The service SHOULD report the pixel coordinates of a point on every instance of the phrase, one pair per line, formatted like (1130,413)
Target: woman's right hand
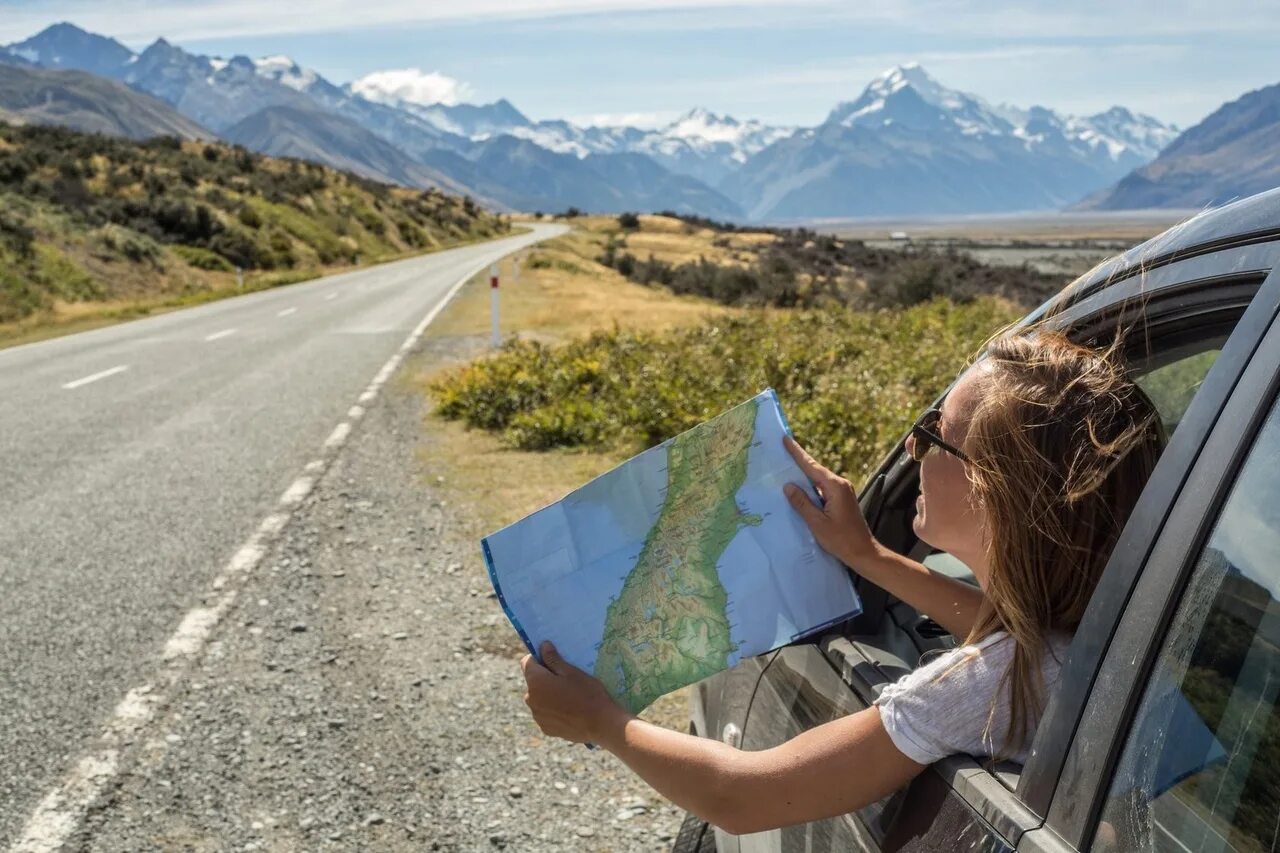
(838,525)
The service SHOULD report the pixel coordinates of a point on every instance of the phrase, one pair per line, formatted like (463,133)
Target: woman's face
(945,515)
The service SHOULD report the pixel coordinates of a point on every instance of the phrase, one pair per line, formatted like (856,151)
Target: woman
(1042,448)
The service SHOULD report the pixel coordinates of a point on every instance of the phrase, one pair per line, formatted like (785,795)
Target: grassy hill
(92,225)
(82,101)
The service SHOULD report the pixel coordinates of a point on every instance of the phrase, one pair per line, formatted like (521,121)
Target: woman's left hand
(565,701)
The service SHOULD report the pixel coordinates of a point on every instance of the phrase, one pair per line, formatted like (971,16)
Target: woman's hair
(1061,442)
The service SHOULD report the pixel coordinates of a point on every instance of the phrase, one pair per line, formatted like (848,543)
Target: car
(1163,732)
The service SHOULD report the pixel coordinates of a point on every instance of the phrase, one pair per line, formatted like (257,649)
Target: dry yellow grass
(562,291)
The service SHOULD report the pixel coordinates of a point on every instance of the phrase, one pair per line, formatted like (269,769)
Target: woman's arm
(951,603)
(841,530)
(827,771)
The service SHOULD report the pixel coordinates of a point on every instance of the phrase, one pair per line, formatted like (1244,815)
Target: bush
(117,240)
(850,381)
(203,258)
(628,221)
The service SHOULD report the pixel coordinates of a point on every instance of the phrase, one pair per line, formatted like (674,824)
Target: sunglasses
(925,432)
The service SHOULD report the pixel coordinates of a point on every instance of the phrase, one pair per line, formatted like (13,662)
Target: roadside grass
(562,292)
(65,317)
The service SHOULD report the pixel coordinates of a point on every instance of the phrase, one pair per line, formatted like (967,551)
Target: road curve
(135,459)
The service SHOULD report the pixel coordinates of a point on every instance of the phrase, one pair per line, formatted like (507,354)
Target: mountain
(699,144)
(67,46)
(905,145)
(322,137)
(909,145)
(89,103)
(526,176)
(1231,154)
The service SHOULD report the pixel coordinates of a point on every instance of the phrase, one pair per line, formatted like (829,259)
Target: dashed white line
(120,368)
(331,296)
(286,312)
(62,809)
(216,335)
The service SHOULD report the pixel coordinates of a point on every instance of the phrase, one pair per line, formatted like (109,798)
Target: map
(675,565)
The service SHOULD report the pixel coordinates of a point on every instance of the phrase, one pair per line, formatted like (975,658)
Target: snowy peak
(286,72)
(907,96)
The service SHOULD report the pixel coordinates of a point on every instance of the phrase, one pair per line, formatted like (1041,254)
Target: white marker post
(493,302)
(239,279)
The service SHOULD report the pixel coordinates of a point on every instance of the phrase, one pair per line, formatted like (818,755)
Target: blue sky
(785,63)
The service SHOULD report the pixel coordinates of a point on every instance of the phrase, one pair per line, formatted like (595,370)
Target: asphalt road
(135,459)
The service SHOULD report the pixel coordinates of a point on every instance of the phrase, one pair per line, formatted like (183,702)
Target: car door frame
(1103,680)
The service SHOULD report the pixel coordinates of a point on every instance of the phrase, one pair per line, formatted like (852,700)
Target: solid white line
(286,312)
(61,810)
(331,296)
(224,333)
(95,377)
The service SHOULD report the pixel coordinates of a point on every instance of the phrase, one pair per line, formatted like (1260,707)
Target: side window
(1172,384)
(1201,767)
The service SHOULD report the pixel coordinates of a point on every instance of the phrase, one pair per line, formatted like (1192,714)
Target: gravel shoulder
(364,693)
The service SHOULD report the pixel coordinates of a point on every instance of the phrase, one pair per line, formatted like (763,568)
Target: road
(138,459)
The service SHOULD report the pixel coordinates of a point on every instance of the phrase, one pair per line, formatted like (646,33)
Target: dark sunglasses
(925,431)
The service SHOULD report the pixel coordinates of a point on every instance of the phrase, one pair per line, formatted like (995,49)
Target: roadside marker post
(493,302)
(239,278)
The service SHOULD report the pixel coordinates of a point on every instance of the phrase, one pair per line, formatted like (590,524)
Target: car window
(1172,385)
(1201,766)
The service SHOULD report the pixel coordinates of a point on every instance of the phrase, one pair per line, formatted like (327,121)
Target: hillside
(334,140)
(1229,155)
(92,104)
(89,220)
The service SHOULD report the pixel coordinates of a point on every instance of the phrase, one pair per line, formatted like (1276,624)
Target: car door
(1192,312)
(1175,742)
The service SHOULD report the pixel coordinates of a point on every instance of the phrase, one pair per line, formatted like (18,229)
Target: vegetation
(849,380)
(89,218)
(801,268)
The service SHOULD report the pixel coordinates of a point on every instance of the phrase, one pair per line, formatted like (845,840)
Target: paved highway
(135,460)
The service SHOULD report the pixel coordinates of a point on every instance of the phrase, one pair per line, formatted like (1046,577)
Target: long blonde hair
(1061,442)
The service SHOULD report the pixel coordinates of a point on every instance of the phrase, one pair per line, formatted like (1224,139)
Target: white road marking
(60,812)
(216,335)
(120,368)
(331,296)
(338,436)
(286,312)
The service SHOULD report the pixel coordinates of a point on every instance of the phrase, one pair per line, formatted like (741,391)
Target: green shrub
(850,381)
(202,258)
(111,241)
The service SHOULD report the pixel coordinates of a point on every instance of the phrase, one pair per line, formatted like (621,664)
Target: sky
(788,63)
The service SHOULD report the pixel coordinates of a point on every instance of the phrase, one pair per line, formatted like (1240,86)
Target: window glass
(1171,386)
(1201,768)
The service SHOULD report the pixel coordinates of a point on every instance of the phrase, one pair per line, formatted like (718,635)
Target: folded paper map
(675,565)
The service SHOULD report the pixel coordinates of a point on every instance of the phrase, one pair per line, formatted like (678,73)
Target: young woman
(1040,451)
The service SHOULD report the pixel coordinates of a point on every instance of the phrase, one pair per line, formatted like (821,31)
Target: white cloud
(646,120)
(412,85)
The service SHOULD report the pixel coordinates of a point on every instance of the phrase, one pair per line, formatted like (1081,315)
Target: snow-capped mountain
(907,144)
(1231,154)
(909,97)
(699,143)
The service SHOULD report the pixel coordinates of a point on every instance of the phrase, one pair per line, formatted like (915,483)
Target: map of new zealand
(676,564)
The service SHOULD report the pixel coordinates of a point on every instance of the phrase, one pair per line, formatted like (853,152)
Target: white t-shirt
(930,715)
